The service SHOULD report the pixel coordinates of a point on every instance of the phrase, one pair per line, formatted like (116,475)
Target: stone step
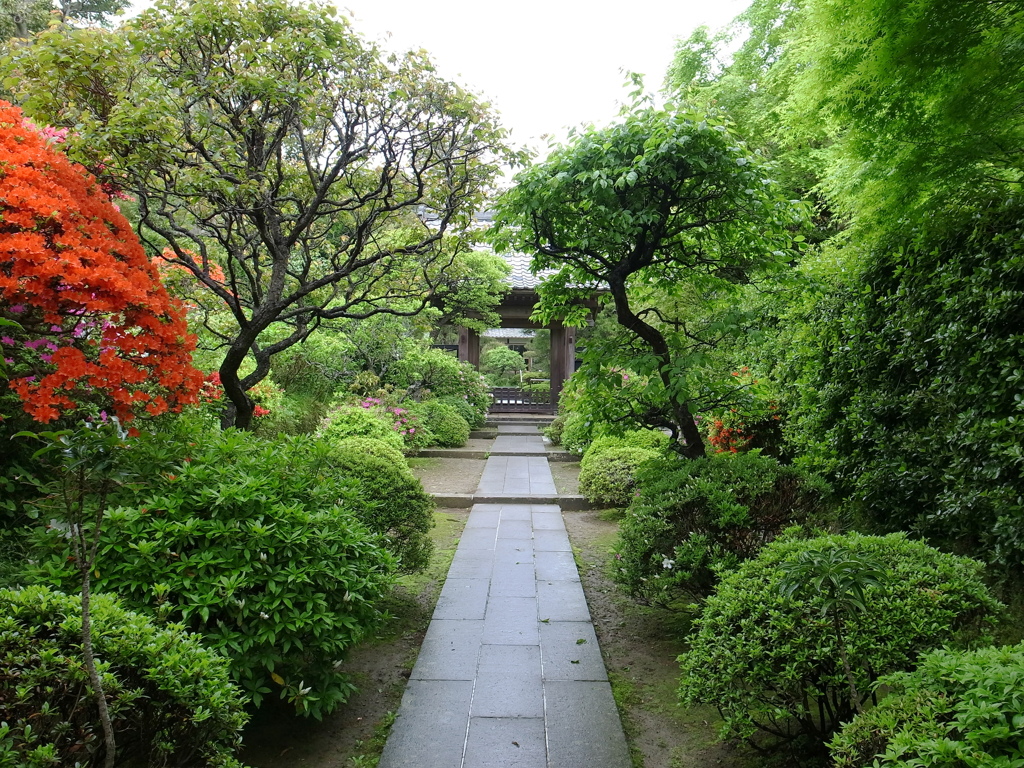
(568,502)
(552,454)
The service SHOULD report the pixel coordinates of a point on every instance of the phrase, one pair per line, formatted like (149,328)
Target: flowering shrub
(96,326)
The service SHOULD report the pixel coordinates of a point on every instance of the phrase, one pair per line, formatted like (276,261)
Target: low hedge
(171,700)
(608,478)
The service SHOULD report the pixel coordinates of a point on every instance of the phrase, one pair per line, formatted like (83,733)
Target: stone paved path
(510,673)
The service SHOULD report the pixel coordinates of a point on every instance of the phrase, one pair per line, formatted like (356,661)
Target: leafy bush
(473,417)
(956,709)
(693,519)
(608,477)
(577,432)
(255,544)
(171,700)
(391,501)
(435,373)
(372,447)
(553,431)
(649,439)
(355,421)
(449,429)
(772,660)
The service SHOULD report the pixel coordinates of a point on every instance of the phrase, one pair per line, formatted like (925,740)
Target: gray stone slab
(569,651)
(506,742)
(431,727)
(508,682)
(450,651)
(484,518)
(516,512)
(562,601)
(511,621)
(583,726)
(551,541)
(472,564)
(515,529)
(462,599)
(555,566)
(511,551)
(514,580)
(477,538)
(548,521)
(518,429)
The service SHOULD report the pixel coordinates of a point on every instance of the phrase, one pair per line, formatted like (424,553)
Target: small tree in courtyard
(665,208)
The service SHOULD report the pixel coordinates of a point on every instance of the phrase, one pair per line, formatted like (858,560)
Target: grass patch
(626,700)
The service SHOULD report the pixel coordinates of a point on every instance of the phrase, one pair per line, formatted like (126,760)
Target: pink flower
(6,340)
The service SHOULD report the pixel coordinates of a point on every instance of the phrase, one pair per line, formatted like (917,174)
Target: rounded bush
(435,373)
(553,431)
(694,519)
(648,439)
(373,447)
(391,502)
(171,700)
(955,709)
(449,429)
(772,660)
(608,478)
(356,421)
(258,546)
(577,432)
(473,417)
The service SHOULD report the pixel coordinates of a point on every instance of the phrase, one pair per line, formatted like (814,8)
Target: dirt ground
(567,476)
(448,475)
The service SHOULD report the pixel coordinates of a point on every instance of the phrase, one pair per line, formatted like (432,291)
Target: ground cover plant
(171,698)
(770,646)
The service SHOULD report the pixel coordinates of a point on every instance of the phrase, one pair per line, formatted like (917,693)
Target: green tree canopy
(269,139)
(665,206)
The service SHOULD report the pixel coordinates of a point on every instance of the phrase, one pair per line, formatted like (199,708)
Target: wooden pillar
(469,347)
(560,359)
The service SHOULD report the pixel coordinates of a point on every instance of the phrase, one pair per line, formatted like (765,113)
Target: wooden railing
(515,400)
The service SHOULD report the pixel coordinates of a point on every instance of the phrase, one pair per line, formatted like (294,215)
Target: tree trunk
(693,445)
(109,746)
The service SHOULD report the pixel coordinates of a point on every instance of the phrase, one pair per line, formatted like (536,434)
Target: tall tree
(664,205)
(23,18)
(268,138)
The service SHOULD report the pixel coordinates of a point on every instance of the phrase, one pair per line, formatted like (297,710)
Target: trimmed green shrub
(772,661)
(449,429)
(171,700)
(956,709)
(473,417)
(648,439)
(433,373)
(577,433)
(356,421)
(391,502)
(692,520)
(256,545)
(608,478)
(373,447)
(553,431)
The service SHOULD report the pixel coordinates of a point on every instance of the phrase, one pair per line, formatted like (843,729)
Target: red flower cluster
(98,327)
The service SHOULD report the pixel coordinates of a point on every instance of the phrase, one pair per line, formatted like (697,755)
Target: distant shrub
(553,431)
(433,373)
(608,478)
(577,432)
(449,429)
(958,708)
(773,662)
(473,417)
(373,447)
(691,520)
(171,700)
(648,439)
(256,545)
(391,501)
(355,421)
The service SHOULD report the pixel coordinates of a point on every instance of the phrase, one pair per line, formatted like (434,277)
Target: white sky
(546,65)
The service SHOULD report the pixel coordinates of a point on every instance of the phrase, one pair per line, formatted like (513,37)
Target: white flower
(667,564)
